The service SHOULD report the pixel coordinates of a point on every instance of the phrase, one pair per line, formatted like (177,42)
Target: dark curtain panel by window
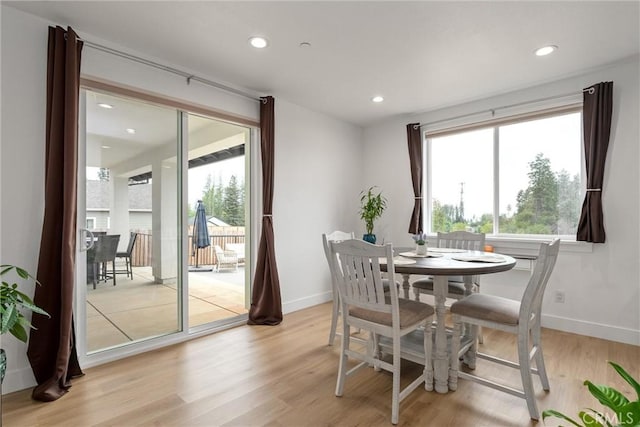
(596,122)
(414,140)
(266,305)
(51,350)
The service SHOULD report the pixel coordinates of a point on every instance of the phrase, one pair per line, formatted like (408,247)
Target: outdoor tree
(550,204)
(208,195)
(569,203)
(212,197)
(537,205)
(231,208)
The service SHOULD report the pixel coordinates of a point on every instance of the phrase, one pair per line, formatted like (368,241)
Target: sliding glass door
(147,268)
(131,212)
(217,249)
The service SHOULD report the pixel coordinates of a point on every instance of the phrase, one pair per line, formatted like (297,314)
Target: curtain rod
(591,90)
(190,77)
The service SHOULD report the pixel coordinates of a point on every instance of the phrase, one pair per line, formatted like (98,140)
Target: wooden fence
(143,249)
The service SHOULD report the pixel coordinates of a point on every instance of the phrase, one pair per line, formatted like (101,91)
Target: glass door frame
(253,184)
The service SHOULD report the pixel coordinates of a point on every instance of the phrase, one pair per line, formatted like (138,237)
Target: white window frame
(524,244)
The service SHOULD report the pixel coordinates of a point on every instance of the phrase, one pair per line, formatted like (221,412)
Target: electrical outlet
(559,297)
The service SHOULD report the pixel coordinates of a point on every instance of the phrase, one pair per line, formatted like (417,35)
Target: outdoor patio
(139,308)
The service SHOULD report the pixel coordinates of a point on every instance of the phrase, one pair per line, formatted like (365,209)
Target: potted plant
(371,207)
(625,412)
(12,301)
(421,243)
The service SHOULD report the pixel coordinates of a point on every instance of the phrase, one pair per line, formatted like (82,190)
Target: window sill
(528,246)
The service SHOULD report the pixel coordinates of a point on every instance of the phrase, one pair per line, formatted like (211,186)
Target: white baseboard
(592,329)
(18,379)
(306,302)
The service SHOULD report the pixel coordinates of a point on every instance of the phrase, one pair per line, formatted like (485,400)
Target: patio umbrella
(200,237)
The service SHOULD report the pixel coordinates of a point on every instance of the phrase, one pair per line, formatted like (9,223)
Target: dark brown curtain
(414,139)
(51,349)
(596,122)
(266,305)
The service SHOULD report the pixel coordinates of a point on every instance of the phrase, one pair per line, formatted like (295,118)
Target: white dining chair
(457,287)
(355,265)
(463,240)
(521,318)
(335,311)
(338,236)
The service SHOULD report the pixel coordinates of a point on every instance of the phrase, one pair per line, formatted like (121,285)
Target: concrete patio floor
(139,308)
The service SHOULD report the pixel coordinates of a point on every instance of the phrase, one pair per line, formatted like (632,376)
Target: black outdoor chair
(127,256)
(103,251)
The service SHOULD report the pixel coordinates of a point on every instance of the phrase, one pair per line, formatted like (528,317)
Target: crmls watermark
(621,418)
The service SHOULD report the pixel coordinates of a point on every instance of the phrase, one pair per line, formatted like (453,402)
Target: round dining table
(441,263)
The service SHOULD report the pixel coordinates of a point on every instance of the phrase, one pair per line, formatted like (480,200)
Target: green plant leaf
(608,396)
(589,420)
(629,415)
(22,273)
(12,301)
(628,378)
(35,309)
(554,413)
(9,318)
(19,332)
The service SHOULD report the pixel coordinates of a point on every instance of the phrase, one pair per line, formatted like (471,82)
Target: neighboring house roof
(99,193)
(217,221)
(211,220)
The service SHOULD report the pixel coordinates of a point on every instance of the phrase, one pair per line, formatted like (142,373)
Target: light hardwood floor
(285,376)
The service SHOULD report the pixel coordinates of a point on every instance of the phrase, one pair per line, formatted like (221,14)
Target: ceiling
(419,56)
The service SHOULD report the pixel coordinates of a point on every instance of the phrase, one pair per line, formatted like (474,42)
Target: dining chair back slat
(461,240)
(362,281)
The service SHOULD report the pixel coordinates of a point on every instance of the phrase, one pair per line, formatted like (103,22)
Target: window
(511,177)
(91,222)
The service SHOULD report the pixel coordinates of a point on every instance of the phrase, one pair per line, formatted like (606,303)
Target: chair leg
(453,356)
(469,357)
(428,351)
(395,392)
(376,352)
(342,369)
(542,371)
(113,271)
(416,294)
(525,374)
(335,312)
(95,273)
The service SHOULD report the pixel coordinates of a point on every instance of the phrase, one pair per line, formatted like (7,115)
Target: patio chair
(103,252)
(127,256)
(225,259)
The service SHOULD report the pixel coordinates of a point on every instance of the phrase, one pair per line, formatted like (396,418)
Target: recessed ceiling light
(105,105)
(546,50)
(258,42)
(106,147)
(377,99)
(305,44)
(131,131)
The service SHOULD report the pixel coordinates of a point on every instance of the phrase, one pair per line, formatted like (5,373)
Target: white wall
(23,47)
(317,183)
(310,198)
(601,285)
